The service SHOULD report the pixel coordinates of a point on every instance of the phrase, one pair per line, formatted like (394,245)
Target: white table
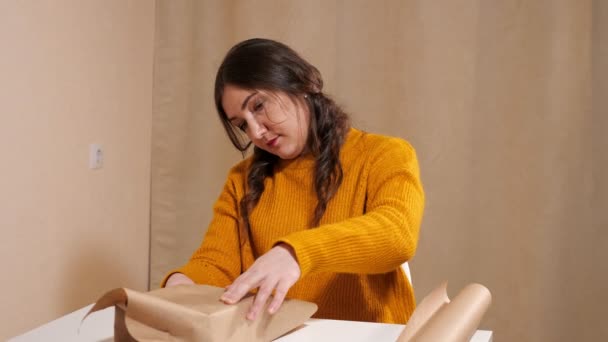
(99,327)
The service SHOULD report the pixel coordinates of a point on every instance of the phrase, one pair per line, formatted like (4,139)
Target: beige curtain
(505,101)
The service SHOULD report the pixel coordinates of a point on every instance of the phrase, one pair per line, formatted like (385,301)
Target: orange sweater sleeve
(218,260)
(386,235)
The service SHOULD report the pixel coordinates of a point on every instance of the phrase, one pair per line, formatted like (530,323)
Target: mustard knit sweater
(350,264)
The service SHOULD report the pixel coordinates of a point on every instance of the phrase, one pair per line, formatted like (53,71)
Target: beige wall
(73,73)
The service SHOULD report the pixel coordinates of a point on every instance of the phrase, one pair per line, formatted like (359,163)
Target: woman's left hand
(277,271)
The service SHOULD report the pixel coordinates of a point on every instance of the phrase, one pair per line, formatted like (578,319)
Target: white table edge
(99,327)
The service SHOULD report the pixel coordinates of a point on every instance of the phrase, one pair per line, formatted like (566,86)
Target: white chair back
(408,274)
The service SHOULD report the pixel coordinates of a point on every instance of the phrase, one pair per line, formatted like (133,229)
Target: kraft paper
(195,313)
(438,319)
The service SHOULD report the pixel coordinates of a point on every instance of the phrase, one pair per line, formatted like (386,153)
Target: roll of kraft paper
(195,313)
(439,319)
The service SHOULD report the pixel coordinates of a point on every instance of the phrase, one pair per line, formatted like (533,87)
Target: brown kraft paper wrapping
(195,313)
(439,319)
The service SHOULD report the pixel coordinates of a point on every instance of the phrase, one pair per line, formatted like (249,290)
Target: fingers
(279,296)
(277,270)
(260,299)
(241,286)
(244,284)
(178,279)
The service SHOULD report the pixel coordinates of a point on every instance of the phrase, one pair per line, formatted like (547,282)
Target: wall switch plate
(95,156)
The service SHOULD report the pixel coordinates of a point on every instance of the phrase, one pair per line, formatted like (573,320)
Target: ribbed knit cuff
(303,254)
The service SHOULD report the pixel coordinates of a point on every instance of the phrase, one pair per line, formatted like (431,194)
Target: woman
(320,212)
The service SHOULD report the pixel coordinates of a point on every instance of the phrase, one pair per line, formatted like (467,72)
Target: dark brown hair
(269,65)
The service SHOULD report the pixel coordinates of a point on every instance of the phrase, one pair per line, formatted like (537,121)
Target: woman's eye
(258,106)
(243,126)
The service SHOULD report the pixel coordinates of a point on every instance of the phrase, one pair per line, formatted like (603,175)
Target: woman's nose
(258,129)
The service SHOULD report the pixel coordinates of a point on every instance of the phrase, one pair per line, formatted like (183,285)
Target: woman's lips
(272,142)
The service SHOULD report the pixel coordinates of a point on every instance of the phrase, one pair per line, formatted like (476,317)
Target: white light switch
(95,156)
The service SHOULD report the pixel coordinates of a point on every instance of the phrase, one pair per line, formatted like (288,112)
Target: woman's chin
(282,152)
(285,155)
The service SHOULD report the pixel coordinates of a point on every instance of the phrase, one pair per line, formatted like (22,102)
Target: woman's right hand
(178,279)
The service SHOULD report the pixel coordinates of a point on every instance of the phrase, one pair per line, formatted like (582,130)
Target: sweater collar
(307,161)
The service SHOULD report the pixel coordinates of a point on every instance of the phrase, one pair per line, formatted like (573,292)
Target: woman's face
(272,120)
